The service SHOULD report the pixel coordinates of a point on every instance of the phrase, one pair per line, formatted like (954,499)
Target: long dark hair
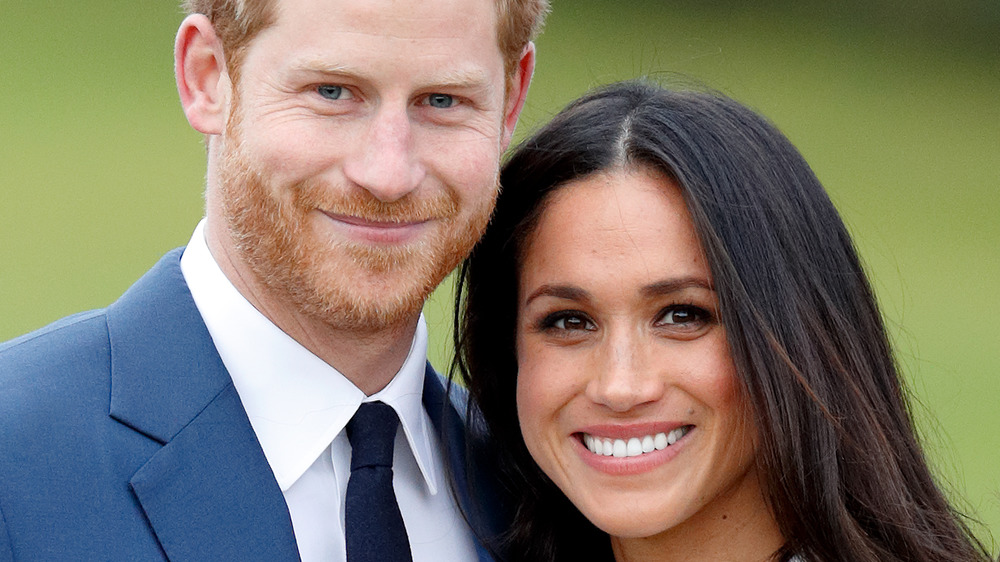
(841,467)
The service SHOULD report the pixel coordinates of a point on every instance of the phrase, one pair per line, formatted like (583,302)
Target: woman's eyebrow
(668,286)
(566,292)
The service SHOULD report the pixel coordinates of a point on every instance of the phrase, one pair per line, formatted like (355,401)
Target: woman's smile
(635,446)
(630,452)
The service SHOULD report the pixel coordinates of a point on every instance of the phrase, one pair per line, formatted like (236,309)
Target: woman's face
(626,391)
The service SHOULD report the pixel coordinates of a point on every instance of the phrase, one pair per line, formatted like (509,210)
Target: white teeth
(620,449)
(674,435)
(660,441)
(634,446)
(608,448)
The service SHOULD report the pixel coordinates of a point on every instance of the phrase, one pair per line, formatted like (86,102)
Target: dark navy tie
(373,525)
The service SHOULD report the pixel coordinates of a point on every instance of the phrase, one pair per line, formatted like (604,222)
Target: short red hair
(237,22)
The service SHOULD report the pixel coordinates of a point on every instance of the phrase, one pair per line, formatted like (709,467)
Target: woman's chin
(628,523)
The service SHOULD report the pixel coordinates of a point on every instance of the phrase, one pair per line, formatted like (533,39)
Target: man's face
(360,160)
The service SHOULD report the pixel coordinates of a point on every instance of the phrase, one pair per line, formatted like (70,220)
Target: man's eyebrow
(452,78)
(565,292)
(459,78)
(319,66)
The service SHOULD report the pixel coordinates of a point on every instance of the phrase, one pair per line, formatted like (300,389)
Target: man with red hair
(222,407)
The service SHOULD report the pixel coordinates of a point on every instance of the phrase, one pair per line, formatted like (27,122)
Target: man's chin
(368,299)
(366,315)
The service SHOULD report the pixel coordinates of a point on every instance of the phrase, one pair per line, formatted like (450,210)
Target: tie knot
(372,432)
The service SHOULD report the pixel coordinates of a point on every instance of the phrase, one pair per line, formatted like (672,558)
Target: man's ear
(202,79)
(518,93)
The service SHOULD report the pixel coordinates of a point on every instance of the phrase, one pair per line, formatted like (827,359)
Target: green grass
(898,113)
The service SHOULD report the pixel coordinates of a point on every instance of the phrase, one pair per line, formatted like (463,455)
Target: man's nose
(627,375)
(385,163)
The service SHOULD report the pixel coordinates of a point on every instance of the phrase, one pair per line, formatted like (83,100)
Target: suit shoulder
(54,362)
(438,384)
(63,329)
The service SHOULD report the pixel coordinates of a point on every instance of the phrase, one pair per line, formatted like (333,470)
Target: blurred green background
(895,104)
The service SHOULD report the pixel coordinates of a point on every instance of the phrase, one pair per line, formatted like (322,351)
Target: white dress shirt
(299,406)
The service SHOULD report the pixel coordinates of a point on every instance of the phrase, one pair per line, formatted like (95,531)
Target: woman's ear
(202,78)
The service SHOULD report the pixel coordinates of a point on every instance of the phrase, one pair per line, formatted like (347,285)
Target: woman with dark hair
(672,342)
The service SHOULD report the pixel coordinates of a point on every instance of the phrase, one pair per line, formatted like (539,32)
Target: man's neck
(368,359)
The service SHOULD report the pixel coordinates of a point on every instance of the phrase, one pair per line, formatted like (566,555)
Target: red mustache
(361,204)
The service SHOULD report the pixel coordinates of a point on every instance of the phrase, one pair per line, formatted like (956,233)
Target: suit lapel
(485,511)
(208,493)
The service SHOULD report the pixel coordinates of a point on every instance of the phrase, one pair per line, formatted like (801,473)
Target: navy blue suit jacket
(123,438)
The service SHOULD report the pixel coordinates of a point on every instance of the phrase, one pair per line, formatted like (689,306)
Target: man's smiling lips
(378,232)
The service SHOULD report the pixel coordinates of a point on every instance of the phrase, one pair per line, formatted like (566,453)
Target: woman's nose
(626,375)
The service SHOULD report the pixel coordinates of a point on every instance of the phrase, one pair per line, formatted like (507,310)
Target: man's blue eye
(331,92)
(440,101)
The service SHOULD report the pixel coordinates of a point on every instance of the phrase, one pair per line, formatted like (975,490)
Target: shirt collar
(296,402)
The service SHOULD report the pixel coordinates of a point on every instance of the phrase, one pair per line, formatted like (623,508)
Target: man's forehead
(397,18)
(368,40)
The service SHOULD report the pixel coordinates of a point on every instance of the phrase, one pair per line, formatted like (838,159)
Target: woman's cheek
(538,399)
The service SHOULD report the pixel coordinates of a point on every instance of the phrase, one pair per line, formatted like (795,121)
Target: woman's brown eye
(682,315)
(568,321)
(678,316)
(574,323)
